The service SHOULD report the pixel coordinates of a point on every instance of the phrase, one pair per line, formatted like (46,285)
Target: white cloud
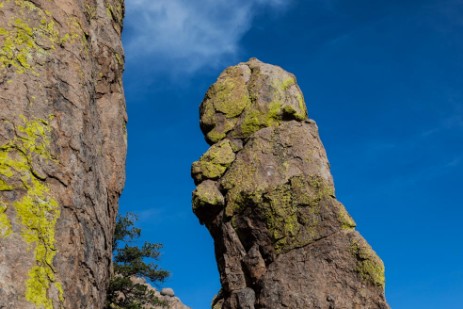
(186,35)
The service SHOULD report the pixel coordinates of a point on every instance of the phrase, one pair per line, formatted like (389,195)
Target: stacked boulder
(266,194)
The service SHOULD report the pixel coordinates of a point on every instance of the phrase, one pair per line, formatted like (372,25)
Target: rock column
(62,150)
(265,193)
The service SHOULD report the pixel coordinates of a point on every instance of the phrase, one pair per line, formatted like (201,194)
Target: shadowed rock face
(62,150)
(265,193)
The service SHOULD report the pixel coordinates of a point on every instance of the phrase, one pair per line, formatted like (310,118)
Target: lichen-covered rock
(62,150)
(247,98)
(282,240)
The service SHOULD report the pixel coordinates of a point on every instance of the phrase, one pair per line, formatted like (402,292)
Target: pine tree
(132,263)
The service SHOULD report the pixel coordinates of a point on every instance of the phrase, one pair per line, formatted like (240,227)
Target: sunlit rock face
(62,150)
(266,194)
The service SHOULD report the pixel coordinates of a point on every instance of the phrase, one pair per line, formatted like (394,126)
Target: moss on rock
(24,38)
(237,95)
(37,211)
(219,132)
(346,221)
(206,195)
(255,119)
(369,265)
(214,162)
(272,211)
(230,95)
(292,213)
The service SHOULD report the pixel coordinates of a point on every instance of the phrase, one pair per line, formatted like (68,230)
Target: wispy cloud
(161,214)
(454,162)
(186,35)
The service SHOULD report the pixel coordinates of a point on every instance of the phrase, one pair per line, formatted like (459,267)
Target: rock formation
(166,295)
(265,193)
(62,150)
(171,301)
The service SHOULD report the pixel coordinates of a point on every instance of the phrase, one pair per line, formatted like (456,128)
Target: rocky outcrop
(166,296)
(265,193)
(169,299)
(62,150)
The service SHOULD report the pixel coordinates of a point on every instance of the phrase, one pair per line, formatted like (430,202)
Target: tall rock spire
(62,150)
(265,193)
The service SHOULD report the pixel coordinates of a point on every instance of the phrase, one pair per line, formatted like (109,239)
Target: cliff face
(62,150)
(265,192)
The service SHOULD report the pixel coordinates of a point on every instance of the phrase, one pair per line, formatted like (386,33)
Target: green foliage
(131,265)
(125,231)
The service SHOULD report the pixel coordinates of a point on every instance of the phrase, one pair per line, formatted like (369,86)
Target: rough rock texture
(265,192)
(62,150)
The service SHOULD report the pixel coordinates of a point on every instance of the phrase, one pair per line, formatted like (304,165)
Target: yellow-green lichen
(291,211)
(277,110)
(225,101)
(304,192)
(321,188)
(254,119)
(281,217)
(238,178)
(119,59)
(346,221)
(218,133)
(233,103)
(369,265)
(289,110)
(115,11)
(294,213)
(283,92)
(18,45)
(214,162)
(90,10)
(207,169)
(206,195)
(215,135)
(302,106)
(19,40)
(288,82)
(77,35)
(230,95)
(4,186)
(36,210)
(221,153)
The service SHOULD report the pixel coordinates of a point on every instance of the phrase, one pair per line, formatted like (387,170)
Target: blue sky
(383,80)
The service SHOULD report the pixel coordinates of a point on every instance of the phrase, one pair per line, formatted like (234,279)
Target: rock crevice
(266,194)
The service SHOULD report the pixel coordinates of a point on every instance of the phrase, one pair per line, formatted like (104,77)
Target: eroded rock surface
(62,150)
(265,193)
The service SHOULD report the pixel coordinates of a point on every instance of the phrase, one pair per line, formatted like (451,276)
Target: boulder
(282,239)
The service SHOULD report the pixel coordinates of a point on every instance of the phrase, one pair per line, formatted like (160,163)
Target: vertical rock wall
(265,192)
(62,150)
